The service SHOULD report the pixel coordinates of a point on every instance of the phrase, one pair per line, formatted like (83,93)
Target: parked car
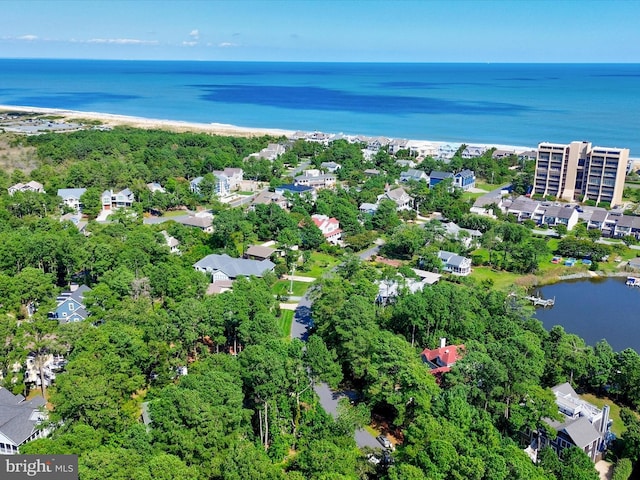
(384,441)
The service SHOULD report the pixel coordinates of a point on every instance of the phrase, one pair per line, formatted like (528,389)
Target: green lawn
(318,265)
(284,322)
(617,427)
(501,280)
(281,287)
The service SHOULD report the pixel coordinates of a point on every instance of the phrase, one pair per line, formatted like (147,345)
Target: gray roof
(71,192)
(260,251)
(234,267)
(194,221)
(452,258)
(440,175)
(17,421)
(465,173)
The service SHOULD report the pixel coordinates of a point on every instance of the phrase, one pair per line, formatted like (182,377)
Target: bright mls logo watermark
(50,467)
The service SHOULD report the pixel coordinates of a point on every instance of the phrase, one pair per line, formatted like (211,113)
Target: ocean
(508,104)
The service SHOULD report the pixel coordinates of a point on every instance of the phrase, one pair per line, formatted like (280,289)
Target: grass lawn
(471,195)
(501,280)
(318,265)
(281,287)
(488,186)
(617,427)
(284,322)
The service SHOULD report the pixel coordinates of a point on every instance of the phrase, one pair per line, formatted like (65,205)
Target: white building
(330,228)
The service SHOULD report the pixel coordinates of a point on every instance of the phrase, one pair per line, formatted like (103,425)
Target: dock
(541,302)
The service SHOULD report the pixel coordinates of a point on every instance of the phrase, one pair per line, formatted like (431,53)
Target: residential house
(454,264)
(315,179)
(628,225)
(372,172)
(465,179)
(71,306)
(31,186)
(583,425)
(473,151)
(389,289)
(293,189)
(403,163)
(413,174)
(20,421)
(51,364)
(113,200)
(402,199)
(446,152)
(331,167)
(437,177)
(71,197)
(554,215)
(76,219)
(201,220)
(499,153)
(484,204)
(172,242)
(398,144)
(155,187)
(330,228)
(440,360)
(271,152)
(467,237)
(259,252)
(597,218)
(525,209)
(528,155)
(224,267)
(368,208)
(267,198)
(225,181)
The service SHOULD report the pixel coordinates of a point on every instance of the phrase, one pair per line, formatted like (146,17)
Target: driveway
(300,326)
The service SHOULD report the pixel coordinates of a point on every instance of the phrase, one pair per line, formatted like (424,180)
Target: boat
(632,282)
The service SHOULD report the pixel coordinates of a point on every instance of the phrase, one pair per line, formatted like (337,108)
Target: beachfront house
(271,152)
(71,197)
(454,263)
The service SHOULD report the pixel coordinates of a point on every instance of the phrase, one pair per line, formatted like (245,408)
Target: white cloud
(195,34)
(189,44)
(227,44)
(123,41)
(29,38)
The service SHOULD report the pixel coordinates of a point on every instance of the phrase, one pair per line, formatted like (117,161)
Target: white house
(224,267)
(31,186)
(454,264)
(113,200)
(330,228)
(402,199)
(226,181)
(71,197)
(172,242)
(315,179)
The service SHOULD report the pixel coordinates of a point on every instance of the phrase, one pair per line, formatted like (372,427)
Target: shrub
(622,469)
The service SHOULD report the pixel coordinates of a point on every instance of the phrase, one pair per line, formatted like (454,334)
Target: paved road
(300,326)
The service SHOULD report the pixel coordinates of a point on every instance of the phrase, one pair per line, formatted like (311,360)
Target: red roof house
(441,359)
(330,227)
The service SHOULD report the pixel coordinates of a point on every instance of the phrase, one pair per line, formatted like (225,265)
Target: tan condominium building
(578,171)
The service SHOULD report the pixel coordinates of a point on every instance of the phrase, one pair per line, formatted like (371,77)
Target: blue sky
(320,30)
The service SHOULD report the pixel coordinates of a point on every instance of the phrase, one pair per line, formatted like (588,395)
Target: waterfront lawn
(501,280)
(617,427)
(281,287)
(284,322)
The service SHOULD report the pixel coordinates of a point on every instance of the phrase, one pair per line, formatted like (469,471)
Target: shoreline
(111,119)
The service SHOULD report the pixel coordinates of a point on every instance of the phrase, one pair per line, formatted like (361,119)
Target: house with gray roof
(71,306)
(465,179)
(19,421)
(71,197)
(454,263)
(224,267)
(582,425)
(413,174)
(436,177)
(202,220)
(401,198)
(31,186)
(113,200)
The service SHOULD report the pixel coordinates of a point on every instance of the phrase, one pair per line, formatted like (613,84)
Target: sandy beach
(212,128)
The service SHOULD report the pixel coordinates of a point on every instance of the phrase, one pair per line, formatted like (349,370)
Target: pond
(595,309)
